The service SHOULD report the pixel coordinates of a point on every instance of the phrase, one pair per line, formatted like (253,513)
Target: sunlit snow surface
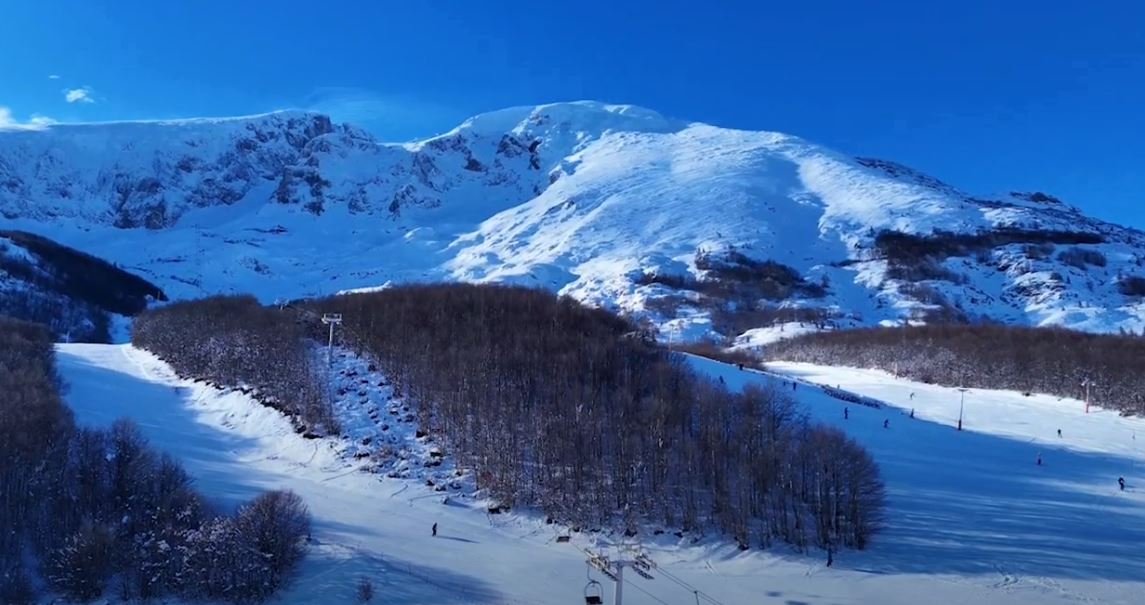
(971,517)
(579,198)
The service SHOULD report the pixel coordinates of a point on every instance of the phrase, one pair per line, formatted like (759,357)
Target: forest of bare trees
(555,405)
(93,512)
(1031,360)
(233,341)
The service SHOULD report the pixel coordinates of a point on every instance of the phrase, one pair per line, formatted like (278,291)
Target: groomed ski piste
(972,517)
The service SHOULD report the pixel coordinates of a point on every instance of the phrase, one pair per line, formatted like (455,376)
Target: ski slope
(971,518)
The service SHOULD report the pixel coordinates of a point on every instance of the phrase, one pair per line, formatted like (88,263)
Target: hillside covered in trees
(91,512)
(562,407)
(233,341)
(1042,360)
(69,291)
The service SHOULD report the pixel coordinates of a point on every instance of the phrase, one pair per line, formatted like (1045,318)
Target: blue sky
(989,96)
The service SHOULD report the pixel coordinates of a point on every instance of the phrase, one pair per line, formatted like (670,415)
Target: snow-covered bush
(1132,285)
(100,511)
(1080,257)
(82,566)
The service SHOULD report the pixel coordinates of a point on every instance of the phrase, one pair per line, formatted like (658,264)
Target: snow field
(578,198)
(971,518)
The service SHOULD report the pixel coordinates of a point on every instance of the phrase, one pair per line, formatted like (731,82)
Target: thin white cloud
(53,77)
(79,95)
(9,122)
(390,116)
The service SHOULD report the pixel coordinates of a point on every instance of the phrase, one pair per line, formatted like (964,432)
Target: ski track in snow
(971,518)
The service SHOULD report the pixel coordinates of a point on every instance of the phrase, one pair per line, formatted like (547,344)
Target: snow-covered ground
(578,198)
(971,519)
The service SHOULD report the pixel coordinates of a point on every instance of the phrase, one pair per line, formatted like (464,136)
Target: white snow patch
(972,519)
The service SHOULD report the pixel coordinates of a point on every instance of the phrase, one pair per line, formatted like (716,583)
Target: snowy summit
(700,229)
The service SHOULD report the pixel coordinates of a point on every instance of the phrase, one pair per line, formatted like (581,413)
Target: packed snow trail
(965,521)
(980,494)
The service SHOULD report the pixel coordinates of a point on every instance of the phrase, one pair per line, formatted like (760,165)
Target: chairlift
(563,539)
(593,593)
(642,573)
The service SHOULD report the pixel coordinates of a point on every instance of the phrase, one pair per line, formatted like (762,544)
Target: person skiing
(887,423)
(435,530)
(1121,483)
(912,396)
(912,412)
(846,413)
(1059,433)
(1039,459)
(794,385)
(740,367)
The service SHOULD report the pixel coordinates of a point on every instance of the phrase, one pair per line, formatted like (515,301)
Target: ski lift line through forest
(332,320)
(336,319)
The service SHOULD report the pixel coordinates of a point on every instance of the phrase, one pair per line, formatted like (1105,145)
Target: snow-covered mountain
(615,205)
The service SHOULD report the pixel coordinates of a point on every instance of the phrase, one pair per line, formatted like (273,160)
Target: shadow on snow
(973,503)
(214,458)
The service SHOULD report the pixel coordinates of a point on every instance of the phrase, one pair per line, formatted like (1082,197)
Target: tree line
(68,319)
(69,291)
(90,512)
(86,277)
(233,341)
(561,407)
(1055,361)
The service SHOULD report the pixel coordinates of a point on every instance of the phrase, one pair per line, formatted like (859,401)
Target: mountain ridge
(615,205)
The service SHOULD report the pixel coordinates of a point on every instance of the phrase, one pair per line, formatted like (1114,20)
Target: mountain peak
(590,116)
(616,205)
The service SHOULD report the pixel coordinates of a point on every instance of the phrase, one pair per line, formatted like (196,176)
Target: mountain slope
(724,230)
(71,292)
(990,526)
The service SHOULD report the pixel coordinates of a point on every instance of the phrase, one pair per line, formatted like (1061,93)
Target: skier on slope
(435,530)
(887,423)
(1121,483)
(846,413)
(1059,433)
(1039,459)
(912,412)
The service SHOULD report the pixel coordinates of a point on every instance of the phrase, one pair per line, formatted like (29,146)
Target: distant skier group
(1120,480)
(887,424)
